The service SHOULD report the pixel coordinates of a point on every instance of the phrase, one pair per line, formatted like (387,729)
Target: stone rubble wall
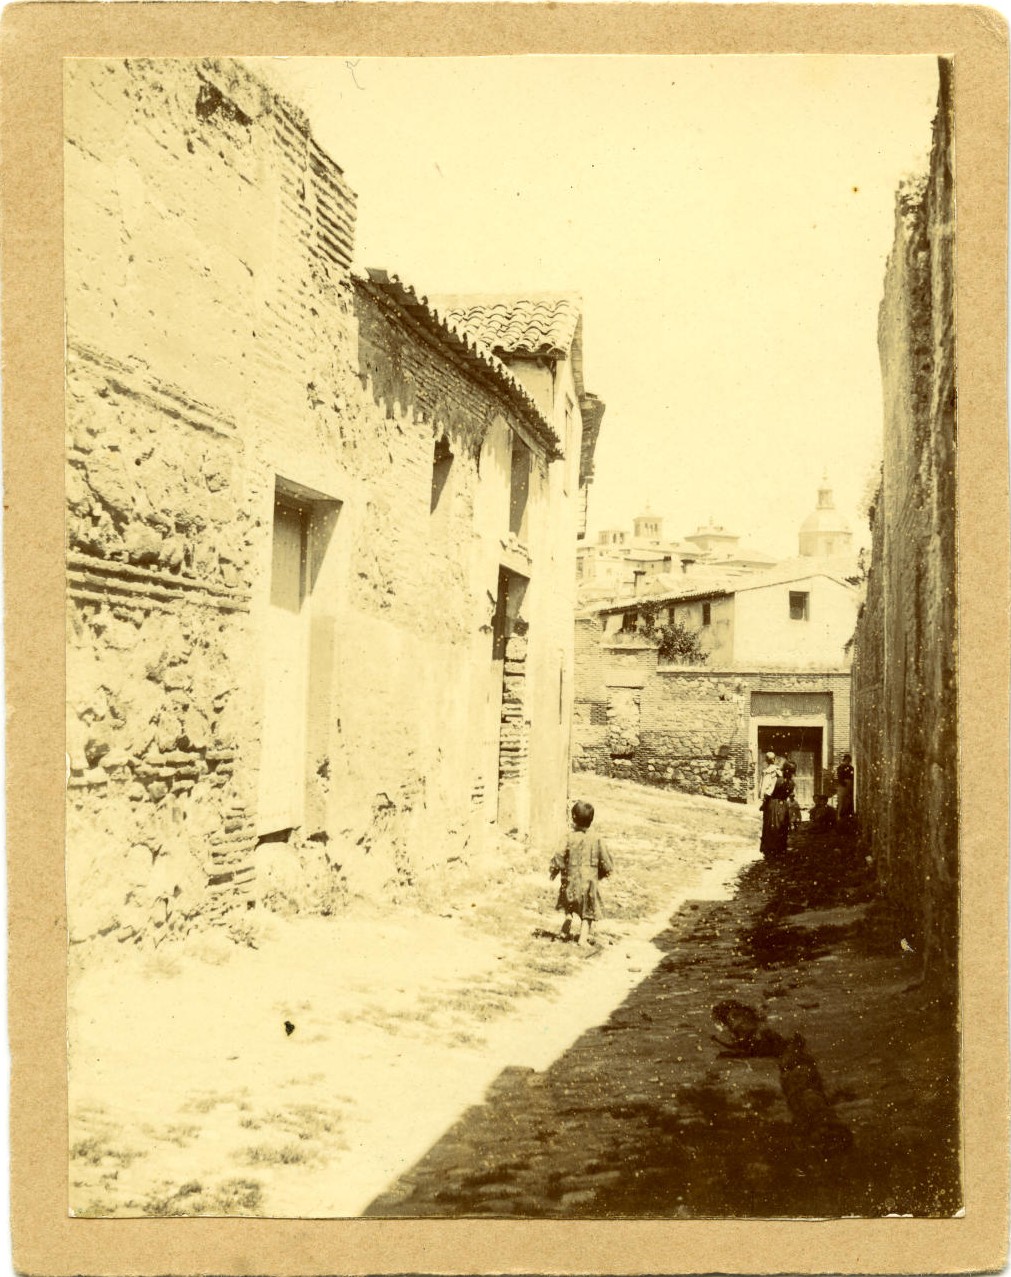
(904,685)
(213,346)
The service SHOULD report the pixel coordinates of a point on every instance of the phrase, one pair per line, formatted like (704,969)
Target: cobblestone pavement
(647,1116)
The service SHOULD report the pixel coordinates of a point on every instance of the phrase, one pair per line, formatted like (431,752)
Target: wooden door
(283,737)
(805,777)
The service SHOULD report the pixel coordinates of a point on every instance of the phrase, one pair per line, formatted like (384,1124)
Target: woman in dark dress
(776,813)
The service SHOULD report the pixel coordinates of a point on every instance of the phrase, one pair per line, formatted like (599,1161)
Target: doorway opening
(506,742)
(303,524)
(802,746)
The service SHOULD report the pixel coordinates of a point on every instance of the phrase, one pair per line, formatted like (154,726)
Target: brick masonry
(904,683)
(691,728)
(218,348)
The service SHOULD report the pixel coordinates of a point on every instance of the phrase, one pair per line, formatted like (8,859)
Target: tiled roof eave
(521,352)
(483,363)
(680,597)
(529,325)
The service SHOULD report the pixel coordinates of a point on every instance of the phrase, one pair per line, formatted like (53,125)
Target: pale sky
(726,220)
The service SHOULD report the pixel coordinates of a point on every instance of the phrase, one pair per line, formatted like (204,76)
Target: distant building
(719,548)
(776,676)
(825,533)
(621,562)
(645,560)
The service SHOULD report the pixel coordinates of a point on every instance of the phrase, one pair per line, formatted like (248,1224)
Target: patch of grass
(277,1155)
(238,1196)
(95,1149)
(462,1038)
(89,1150)
(309,1132)
(209,1100)
(95,1209)
(180,1134)
(230,1197)
(307,1121)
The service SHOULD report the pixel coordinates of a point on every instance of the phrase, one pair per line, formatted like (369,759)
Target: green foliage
(648,619)
(675,642)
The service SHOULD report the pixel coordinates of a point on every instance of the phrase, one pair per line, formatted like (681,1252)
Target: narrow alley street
(461,1061)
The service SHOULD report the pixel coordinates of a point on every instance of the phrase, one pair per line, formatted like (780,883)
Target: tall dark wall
(904,671)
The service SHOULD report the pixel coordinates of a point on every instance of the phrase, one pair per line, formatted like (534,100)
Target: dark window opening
(508,619)
(798,606)
(628,621)
(707,613)
(519,488)
(442,463)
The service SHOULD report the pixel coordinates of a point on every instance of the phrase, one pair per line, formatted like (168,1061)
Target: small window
(628,620)
(519,488)
(442,463)
(707,613)
(798,605)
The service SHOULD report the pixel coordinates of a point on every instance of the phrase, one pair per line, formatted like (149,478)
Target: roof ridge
(538,323)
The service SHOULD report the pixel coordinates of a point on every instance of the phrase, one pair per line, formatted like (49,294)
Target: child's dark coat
(582,862)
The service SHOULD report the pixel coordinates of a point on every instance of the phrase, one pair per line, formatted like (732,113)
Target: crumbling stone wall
(904,688)
(163,162)
(695,734)
(214,353)
(159,583)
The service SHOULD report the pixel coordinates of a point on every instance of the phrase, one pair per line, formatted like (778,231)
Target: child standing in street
(582,862)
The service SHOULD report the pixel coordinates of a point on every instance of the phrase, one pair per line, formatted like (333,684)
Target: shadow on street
(825,1085)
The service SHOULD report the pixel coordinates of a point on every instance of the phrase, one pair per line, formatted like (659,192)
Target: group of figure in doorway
(781,812)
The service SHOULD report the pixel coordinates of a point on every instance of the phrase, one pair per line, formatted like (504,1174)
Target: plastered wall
(764,630)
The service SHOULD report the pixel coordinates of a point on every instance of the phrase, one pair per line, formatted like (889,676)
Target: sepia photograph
(512,637)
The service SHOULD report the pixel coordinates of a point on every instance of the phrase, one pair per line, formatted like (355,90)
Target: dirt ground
(190,1093)
(455,1058)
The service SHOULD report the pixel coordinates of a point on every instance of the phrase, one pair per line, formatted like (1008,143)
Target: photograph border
(36,38)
